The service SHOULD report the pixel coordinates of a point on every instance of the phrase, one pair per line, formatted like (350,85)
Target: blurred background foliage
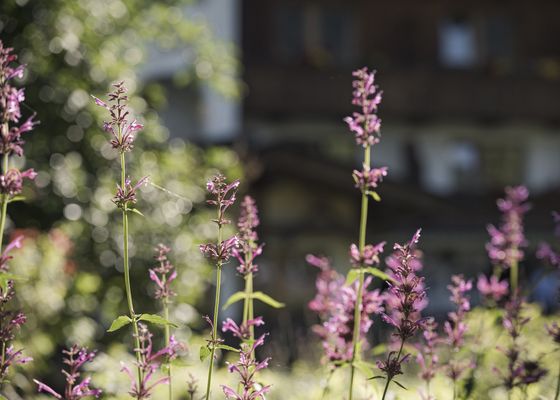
(71,257)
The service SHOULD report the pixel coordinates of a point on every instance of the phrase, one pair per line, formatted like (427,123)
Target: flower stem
(248,301)
(358,306)
(557,395)
(3,215)
(216,310)
(5,161)
(126,268)
(513,277)
(167,337)
(215,329)
(390,378)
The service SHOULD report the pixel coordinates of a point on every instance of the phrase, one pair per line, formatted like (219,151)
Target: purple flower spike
(246,368)
(221,253)
(368,179)
(365,124)
(122,130)
(334,303)
(406,296)
(223,194)
(249,249)
(507,242)
(242,331)
(75,389)
(16,243)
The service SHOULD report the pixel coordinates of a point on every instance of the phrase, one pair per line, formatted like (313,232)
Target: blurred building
(471,104)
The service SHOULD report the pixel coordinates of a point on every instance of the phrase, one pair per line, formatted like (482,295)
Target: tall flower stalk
(223,194)
(365,124)
(11,184)
(163,275)
(123,133)
(248,250)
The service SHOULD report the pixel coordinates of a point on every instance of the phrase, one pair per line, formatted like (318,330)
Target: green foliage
(73,49)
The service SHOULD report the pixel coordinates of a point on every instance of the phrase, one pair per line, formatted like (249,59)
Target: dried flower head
(125,198)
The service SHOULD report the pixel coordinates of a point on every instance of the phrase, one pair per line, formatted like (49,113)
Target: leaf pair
(266,299)
(123,320)
(354,274)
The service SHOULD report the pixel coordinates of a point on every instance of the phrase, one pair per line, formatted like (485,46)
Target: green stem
(557,395)
(3,215)
(215,327)
(389,379)
(358,306)
(126,268)
(167,337)
(326,388)
(513,278)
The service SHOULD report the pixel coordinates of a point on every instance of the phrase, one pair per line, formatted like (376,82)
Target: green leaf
(119,322)
(156,319)
(204,353)
(400,384)
(352,275)
(378,273)
(379,349)
(376,377)
(234,298)
(374,195)
(135,211)
(226,347)
(267,300)
(16,198)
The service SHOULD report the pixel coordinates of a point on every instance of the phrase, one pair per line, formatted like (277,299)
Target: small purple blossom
(392,366)
(163,274)
(247,367)
(365,124)
(150,361)
(221,253)
(11,183)
(545,251)
(76,389)
(16,243)
(368,257)
(125,198)
(492,288)
(123,130)
(507,242)
(553,331)
(242,331)
(368,179)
